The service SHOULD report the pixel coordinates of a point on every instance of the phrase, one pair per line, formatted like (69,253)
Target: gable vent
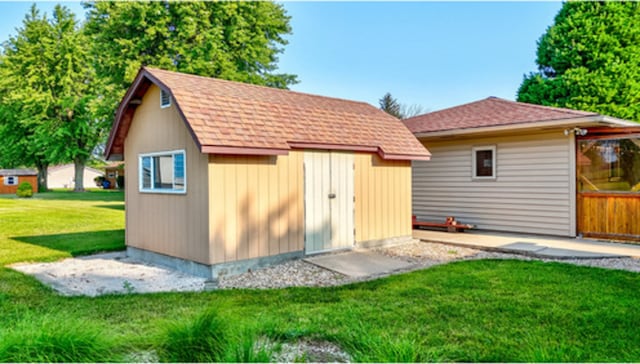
(165,99)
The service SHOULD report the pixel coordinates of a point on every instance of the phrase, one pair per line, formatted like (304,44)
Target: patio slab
(358,263)
(535,245)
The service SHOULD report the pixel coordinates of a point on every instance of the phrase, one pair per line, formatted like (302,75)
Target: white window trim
(162,190)
(6,180)
(474,151)
(164,106)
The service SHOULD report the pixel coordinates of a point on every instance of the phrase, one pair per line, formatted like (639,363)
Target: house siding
(533,191)
(171,224)
(33,180)
(256,206)
(382,198)
(64,177)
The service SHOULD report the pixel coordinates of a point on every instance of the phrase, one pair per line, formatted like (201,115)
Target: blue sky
(435,54)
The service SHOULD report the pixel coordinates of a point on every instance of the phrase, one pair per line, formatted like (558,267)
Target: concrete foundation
(209,271)
(383,242)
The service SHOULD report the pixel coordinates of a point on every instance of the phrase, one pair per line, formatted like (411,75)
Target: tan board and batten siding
(156,221)
(256,206)
(383,198)
(531,194)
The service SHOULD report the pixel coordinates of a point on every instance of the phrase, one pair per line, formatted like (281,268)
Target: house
(63,176)
(225,176)
(517,167)
(112,171)
(10,179)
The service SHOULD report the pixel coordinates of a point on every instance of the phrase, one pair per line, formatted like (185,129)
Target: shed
(516,167)
(10,179)
(226,176)
(63,176)
(111,173)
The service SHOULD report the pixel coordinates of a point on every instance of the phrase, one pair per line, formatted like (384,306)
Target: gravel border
(114,273)
(421,254)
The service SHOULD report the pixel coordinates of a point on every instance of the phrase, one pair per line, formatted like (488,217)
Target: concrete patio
(533,245)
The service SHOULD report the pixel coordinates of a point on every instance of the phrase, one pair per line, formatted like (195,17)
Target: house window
(484,162)
(10,180)
(165,99)
(163,172)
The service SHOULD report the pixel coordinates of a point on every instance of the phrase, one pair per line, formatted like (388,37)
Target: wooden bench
(450,224)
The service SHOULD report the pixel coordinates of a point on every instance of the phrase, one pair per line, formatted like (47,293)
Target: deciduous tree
(589,59)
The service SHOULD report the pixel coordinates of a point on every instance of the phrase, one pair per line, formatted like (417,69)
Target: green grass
(489,310)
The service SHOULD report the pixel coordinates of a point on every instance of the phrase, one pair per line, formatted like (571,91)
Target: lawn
(486,310)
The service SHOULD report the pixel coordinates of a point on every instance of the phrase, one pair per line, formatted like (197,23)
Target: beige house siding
(256,206)
(533,193)
(171,224)
(63,176)
(382,198)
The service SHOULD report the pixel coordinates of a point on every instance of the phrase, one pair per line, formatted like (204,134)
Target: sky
(432,54)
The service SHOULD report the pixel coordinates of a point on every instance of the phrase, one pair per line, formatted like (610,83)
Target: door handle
(332,195)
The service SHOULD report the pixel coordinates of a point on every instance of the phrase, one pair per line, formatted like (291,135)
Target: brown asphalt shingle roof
(491,111)
(236,115)
(18,172)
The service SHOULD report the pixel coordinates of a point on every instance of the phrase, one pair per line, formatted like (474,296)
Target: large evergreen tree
(589,59)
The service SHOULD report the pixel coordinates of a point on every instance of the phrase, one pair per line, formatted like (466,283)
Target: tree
(46,94)
(236,41)
(390,105)
(589,60)
(401,111)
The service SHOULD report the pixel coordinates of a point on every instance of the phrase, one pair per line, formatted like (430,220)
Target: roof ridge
(537,106)
(260,86)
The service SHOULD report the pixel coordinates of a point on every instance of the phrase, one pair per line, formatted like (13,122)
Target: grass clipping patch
(55,339)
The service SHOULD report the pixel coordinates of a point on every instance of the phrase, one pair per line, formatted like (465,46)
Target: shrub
(98,180)
(24,190)
(120,181)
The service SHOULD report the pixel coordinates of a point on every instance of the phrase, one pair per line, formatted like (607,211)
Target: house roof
(494,112)
(18,172)
(226,117)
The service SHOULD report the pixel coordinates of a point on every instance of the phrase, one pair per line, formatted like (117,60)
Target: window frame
(162,94)
(173,190)
(474,161)
(14,178)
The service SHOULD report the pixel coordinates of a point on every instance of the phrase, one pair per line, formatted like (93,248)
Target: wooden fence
(609,215)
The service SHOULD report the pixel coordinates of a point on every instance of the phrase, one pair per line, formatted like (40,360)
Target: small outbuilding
(515,167)
(63,176)
(225,176)
(10,179)
(114,172)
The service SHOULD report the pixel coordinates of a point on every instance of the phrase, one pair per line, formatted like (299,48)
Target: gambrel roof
(226,117)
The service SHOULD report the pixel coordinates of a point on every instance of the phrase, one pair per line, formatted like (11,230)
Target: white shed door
(328,195)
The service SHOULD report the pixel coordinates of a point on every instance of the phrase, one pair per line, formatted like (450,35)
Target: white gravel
(107,274)
(114,273)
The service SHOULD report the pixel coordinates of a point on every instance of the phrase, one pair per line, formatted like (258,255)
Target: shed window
(165,99)
(11,180)
(484,162)
(163,172)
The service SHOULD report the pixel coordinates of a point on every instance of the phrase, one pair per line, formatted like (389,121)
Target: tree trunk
(79,174)
(42,177)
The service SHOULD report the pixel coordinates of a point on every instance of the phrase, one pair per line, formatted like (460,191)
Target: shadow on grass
(91,195)
(79,243)
(119,207)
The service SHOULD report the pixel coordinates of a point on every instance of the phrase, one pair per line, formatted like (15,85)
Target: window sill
(164,192)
